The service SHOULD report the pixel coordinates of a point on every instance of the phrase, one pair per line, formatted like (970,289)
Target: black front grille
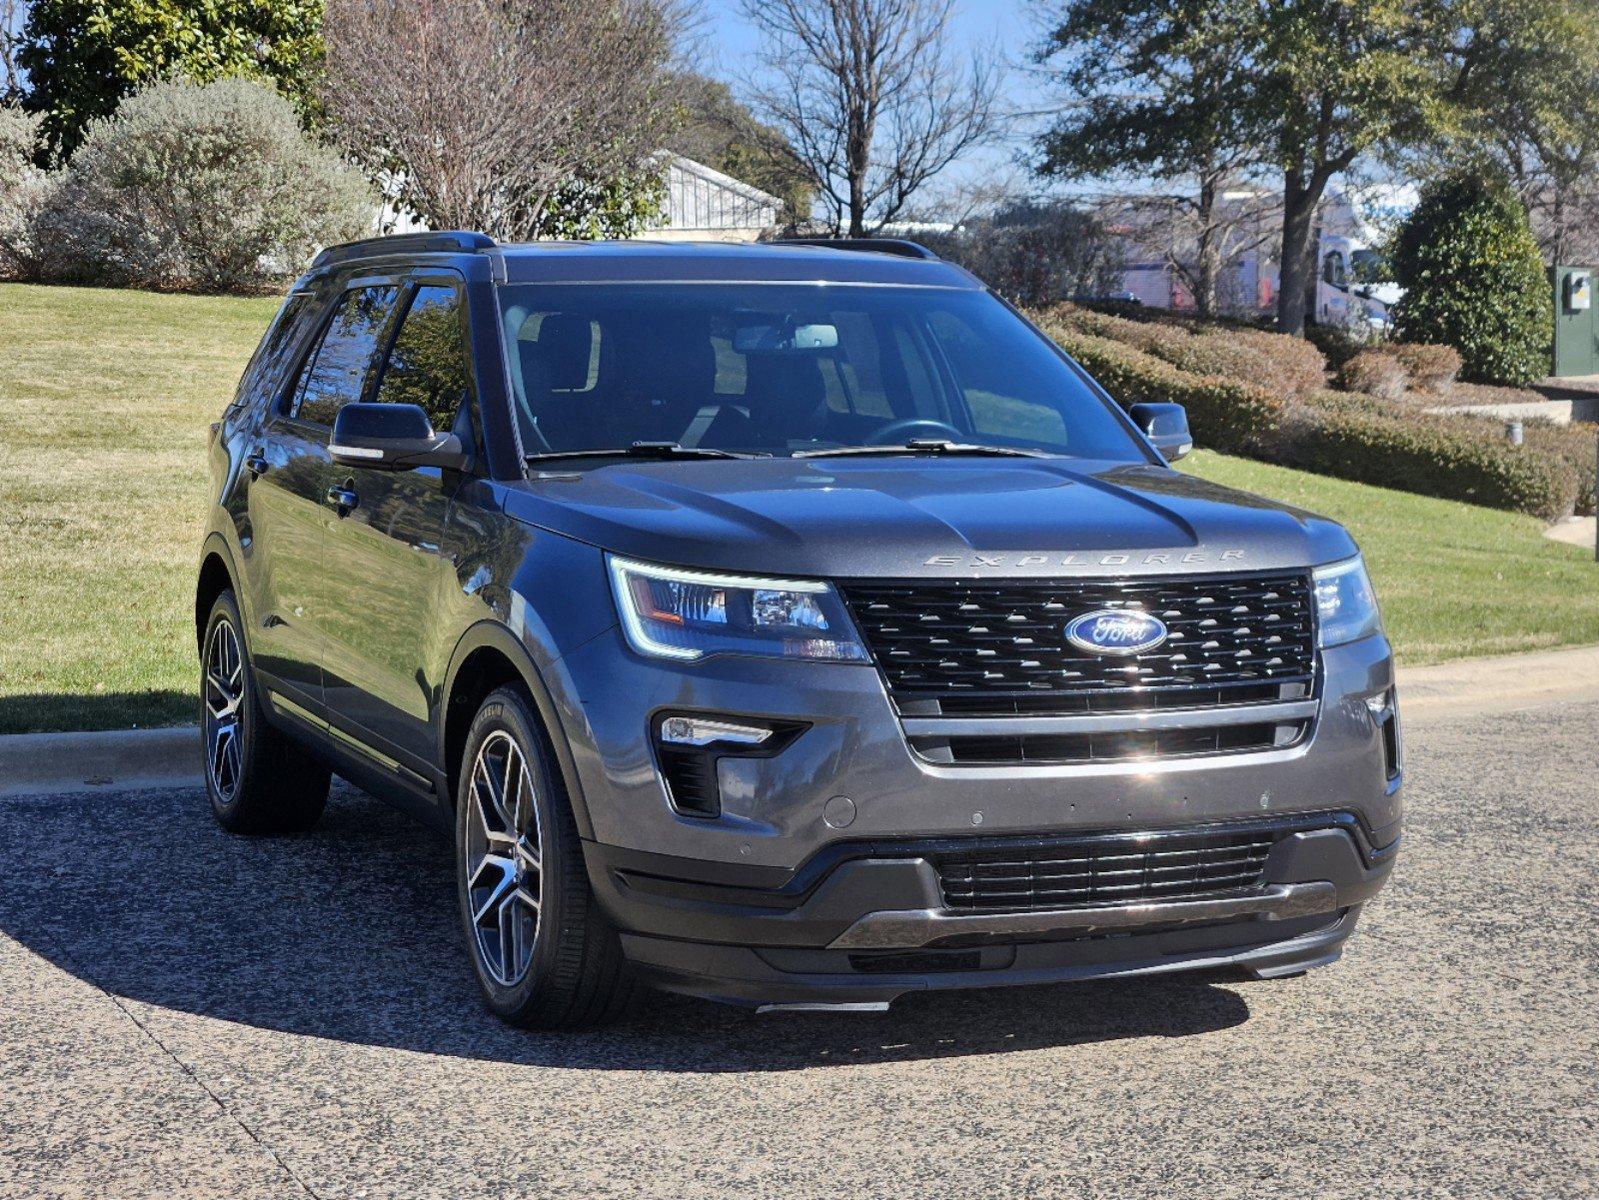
(1110,870)
(1000,646)
(1123,745)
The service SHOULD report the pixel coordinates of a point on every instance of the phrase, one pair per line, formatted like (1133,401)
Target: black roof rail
(452,241)
(899,247)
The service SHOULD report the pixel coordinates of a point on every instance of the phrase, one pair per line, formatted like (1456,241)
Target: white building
(702,204)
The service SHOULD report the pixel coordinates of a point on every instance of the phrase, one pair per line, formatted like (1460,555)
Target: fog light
(1385,716)
(688,747)
(699,731)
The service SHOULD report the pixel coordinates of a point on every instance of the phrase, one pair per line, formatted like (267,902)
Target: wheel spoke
(515,778)
(483,777)
(224,757)
(498,889)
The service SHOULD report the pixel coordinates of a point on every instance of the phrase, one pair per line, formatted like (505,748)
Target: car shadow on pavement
(350,933)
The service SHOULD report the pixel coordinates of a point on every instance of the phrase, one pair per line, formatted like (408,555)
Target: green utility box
(1576,320)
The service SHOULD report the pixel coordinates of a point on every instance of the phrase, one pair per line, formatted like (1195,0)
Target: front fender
(553,712)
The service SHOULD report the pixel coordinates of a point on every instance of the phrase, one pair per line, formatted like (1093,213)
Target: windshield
(791,368)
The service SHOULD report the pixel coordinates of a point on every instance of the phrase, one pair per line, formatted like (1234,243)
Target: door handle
(256,464)
(343,498)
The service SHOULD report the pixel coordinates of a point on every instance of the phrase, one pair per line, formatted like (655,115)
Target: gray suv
(793,625)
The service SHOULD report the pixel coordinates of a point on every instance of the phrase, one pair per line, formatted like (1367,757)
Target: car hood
(871,517)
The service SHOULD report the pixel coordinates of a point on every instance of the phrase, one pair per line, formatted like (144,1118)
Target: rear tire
(258,780)
(545,955)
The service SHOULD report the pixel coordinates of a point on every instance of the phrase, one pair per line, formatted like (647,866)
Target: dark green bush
(1433,455)
(1474,279)
(1576,445)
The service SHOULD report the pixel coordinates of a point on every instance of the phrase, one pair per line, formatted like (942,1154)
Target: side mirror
(1166,427)
(392,437)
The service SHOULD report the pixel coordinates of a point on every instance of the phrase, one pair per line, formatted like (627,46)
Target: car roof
(701,262)
(858,260)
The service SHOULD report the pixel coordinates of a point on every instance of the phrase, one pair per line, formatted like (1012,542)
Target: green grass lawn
(105,399)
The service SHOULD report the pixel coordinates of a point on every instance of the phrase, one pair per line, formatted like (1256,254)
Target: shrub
(1433,455)
(1431,368)
(1575,445)
(1378,373)
(1288,366)
(1338,343)
(1474,279)
(1350,435)
(24,189)
(1224,414)
(207,188)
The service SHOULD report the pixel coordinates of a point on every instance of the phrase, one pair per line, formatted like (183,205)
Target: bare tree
(13,15)
(1201,236)
(485,110)
(871,97)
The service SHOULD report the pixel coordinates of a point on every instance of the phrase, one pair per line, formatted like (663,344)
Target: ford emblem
(1116,631)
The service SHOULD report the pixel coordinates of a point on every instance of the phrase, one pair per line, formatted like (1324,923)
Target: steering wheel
(897,433)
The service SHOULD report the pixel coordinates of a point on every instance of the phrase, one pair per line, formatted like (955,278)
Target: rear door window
(342,364)
(271,356)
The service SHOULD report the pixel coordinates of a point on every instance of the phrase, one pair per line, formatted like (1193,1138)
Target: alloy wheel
(504,879)
(224,695)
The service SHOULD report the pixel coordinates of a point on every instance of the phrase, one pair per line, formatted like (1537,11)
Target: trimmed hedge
(1350,435)
(1573,444)
(1436,456)
(1223,414)
(1287,366)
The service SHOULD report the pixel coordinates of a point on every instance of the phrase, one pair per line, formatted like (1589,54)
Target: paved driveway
(184,1013)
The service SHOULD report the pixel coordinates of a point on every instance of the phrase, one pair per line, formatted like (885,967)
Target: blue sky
(730,45)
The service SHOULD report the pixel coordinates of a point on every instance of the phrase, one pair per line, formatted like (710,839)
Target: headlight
(1345,603)
(673,613)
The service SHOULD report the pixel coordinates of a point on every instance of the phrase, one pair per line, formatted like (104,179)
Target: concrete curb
(36,764)
(56,763)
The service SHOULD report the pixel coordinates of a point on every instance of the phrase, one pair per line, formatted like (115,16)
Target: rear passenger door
(287,496)
(384,654)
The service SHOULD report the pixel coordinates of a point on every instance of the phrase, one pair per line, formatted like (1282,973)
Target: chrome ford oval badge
(1116,631)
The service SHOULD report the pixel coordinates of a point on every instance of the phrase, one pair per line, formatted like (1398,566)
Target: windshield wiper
(638,450)
(924,446)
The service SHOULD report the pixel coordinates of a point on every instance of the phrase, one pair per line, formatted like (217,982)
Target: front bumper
(770,902)
(868,922)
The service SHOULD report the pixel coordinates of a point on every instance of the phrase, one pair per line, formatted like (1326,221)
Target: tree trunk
(1208,252)
(858,157)
(1299,207)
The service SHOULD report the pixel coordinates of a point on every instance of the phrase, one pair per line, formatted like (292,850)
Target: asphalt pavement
(184,1013)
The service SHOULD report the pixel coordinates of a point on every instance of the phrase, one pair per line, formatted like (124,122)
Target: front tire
(258,780)
(544,954)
